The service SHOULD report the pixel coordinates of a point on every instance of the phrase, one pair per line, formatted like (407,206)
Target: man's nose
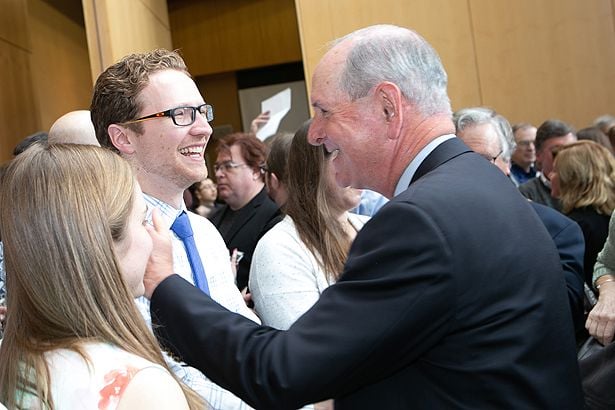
(202,126)
(316,135)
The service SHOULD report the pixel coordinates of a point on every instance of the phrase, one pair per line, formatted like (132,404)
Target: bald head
(73,128)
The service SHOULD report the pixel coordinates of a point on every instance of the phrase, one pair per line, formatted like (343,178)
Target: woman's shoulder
(99,376)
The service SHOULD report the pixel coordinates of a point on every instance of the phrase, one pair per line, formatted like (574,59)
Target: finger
(234,256)
(157,220)
(607,330)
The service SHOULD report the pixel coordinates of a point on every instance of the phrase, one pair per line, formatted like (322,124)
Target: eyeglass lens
(187,115)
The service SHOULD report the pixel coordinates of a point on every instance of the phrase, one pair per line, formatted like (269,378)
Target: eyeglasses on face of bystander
(181,116)
(227,166)
(490,158)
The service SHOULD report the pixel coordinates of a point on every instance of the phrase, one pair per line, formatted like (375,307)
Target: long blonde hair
(62,207)
(586,172)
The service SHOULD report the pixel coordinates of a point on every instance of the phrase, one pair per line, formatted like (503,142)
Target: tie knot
(181,226)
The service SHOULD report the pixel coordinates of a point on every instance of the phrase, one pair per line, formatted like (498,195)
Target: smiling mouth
(195,151)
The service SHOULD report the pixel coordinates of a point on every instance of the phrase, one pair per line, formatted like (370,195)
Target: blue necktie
(182,228)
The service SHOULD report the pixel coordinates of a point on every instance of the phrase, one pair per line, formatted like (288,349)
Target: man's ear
(389,98)
(273,181)
(120,139)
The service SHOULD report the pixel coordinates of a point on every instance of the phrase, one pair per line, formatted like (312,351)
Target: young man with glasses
(148,109)
(249,212)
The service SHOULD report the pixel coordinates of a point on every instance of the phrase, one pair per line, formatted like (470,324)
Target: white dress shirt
(217,266)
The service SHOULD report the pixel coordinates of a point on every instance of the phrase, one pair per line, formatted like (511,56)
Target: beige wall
(530,60)
(60,63)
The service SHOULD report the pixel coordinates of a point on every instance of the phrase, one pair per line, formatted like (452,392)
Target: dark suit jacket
(256,218)
(568,239)
(434,310)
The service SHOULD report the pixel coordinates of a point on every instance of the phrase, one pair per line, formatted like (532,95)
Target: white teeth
(191,150)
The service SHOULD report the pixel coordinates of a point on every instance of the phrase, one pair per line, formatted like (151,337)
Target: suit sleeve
(571,248)
(392,304)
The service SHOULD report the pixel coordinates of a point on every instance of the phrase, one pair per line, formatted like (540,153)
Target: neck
(175,199)
(349,228)
(414,137)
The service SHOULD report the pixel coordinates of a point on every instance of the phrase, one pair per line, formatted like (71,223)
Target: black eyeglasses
(490,158)
(181,116)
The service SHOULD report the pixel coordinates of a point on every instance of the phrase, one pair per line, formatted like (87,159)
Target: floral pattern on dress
(116,382)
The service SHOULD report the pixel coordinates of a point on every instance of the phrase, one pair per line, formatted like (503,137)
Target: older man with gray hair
(485,131)
(431,311)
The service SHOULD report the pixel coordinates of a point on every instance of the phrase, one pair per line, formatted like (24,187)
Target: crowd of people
(391,253)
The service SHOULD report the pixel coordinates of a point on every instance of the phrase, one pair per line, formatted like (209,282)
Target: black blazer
(595,229)
(435,310)
(255,219)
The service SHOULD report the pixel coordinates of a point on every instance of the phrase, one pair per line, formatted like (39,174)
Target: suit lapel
(449,149)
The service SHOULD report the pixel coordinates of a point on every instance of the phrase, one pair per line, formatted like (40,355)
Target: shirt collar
(544,180)
(168,213)
(406,177)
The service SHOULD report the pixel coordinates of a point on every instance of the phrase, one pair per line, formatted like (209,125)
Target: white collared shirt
(222,288)
(406,177)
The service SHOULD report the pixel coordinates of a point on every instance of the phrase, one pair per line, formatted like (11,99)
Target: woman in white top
(75,260)
(305,253)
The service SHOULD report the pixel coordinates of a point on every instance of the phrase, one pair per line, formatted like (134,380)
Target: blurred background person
(305,253)
(95,350)
(276,176)
(595,134)
(601,320)
(523,158)
(248,212)
(204,194)
(74,127)
(605,123)
(487,133)
(549,135)
(583,178)
(25,143)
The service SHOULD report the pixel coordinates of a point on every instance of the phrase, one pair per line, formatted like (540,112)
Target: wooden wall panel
(220,90)
(220,36)
(528,59)
(546,59)
(18,112)
(444,23)
(116,28)
(59,62)
(13,23)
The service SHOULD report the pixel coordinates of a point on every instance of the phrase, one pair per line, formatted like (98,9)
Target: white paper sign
(278,106)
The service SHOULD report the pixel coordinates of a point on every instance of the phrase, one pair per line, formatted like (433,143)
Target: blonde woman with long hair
(583,178)
(75,260)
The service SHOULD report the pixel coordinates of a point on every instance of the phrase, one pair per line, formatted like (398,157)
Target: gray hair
(482,115)
(398,55)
